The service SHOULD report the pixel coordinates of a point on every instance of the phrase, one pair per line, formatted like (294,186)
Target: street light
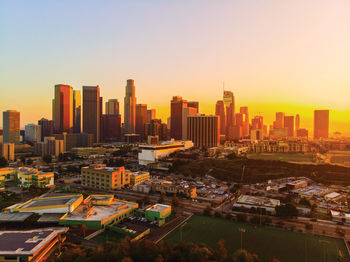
(241,230)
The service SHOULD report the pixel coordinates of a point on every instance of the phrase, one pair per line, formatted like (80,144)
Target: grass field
(267,243)
(108,236)
(303,158)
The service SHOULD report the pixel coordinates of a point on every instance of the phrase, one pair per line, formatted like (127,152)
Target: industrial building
(247,201)
(158,212)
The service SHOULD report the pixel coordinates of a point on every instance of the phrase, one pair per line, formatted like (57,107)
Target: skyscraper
(229,101)
(129,107)
(140,119)
(111,126)
(258,123)
(156,128)
(220,111)
(289,125)
(188,111)
(244,110)
(76,111)
(112,107)
(63,108)
(32,133)
(203,131)
(177,105)
(47,127)
(297,122)
(11,126)
(321,124)
(279,123)
(91,111)
(151,114)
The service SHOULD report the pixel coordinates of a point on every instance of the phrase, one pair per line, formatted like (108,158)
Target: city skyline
(296,68)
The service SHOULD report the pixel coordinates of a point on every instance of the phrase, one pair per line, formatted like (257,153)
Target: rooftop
(157,208)
(53,200)
(26,242)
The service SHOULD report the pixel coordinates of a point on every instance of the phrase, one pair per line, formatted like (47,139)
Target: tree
(47,159)
(147,199)
(3,162)
(207,211)
(244,256)
(220,251)
(161,199)
(175,202)
(287,210)
(83,230)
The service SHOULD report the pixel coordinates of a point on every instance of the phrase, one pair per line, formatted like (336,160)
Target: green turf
(107,235)
(267,243)
(288,157)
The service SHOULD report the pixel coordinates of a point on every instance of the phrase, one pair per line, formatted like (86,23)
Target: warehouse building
(159,213)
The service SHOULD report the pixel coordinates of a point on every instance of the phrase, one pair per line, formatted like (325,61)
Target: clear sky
(290,55)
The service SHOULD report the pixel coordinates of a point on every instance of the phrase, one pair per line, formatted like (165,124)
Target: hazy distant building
(289,125)
(187,111)
(91,111)
(220,111)
(151,114)
(193,104)
(8,151)
(321,124)
(111,126)
(258,123)
(47,127)
(244,111)
(140,119)
(256,134)
(129,108)
(112,107)
(203,131)
(302,132)
(279,123)
(32,133)
(297,122)
(76,111)
(62,114)
(177,105)
(50,146)
(229,101)
(11,126)
(156,128)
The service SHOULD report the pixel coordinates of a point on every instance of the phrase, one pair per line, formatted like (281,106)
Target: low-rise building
(152,153)
(102,177)
(168,187)
(138,177)
(247,201)
(158,212)
(300,183)
(7,150)
(30,245)
(27,177)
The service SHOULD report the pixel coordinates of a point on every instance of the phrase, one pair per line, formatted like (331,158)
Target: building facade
(129,107)
(203,131)
(321,124)
(11,126)
(91,111)
(62,105)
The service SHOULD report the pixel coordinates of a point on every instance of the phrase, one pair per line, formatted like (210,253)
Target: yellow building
(138,178)
(30,176)
(102,177)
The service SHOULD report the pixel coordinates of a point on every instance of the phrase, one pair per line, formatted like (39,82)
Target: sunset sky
(291,55)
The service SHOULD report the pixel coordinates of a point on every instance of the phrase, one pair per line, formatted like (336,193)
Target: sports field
(267,243)
(287,157)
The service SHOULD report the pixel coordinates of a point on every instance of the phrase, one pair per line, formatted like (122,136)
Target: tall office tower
(279,123)
(46,127)
(321,124)
(91,111)
(194,104)
(76,111)
(229,101)
(11,126)
(32,133)
(129,107)
(140,119)
(156,128)
(220,111)
(203,131)
(177,106)
(111,126)
(7,150)
(63,108)
(289,125)
(187,111)
(297,122)
(151,114)
(244,110)
(112,107)
(257,123)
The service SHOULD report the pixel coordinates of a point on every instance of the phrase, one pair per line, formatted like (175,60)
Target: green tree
(47,159)
(161,199)
(3,162)
(220,251)
(287,210)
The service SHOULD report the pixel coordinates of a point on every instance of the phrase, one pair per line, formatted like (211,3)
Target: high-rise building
(11,126)
(244,111)
(151,114)
(112,107)
(203,131)
(111,126)
(8,151)
(156,128)
(32,133)
(220,111)
(279,123)
(63,108)
(140,119)
(289,125)
(187,111)
(47,127)
(229,101)
(297,122)
(176,112)
(76,111)
(302,132)
(129,108)
(321,124)
(91,111)
(194,104)
(258,123)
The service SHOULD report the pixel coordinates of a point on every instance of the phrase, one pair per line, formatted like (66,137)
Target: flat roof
(50,202)
(26,242)
(49,218)
(157,207)
(14,217)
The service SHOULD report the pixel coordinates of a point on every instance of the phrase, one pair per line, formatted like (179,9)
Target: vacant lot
(267,243)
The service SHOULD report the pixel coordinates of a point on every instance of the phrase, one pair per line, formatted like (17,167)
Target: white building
(151,153)
(247,201)
(32,132)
